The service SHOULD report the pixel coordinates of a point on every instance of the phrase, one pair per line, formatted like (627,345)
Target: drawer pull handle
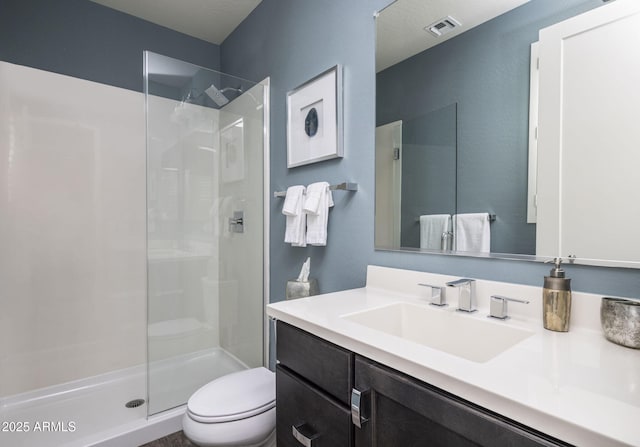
(357,402)
(304,435)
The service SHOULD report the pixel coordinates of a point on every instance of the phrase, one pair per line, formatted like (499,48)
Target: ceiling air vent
(442,26)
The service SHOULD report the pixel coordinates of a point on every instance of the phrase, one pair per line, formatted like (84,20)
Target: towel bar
(344,186)
(490,217)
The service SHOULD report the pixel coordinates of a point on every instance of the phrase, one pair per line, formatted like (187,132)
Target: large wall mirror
(507,128)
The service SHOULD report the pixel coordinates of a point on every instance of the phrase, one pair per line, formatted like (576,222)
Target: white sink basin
(462,335)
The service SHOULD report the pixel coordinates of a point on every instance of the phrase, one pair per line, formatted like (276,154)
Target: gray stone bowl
(620,320)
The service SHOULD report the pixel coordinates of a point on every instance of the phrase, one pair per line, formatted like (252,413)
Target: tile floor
(177,439)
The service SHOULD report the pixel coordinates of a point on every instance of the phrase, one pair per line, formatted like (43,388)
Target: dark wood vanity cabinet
(305,415)
(317,382)
(314,379)
(402,411)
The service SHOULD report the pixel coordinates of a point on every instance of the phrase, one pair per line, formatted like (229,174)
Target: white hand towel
(292,200)
(313,197)
(296,219)
(432,226)
(317,202)
(472,232)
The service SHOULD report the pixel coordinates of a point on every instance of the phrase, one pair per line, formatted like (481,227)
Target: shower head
(232,89)
(216,95)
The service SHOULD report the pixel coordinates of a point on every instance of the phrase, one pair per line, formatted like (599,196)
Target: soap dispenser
(556,299)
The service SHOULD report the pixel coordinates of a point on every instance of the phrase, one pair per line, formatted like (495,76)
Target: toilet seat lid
(235,396)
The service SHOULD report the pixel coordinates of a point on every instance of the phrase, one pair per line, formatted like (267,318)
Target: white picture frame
(314,119)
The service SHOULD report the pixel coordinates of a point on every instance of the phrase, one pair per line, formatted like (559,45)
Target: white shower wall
(73,228)
(72,217)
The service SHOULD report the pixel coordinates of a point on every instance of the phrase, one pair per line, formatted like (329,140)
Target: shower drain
(134,403)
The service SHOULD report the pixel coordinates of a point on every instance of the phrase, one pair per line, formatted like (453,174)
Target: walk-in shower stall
(133,236)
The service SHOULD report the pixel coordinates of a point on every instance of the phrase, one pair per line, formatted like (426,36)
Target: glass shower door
(205,143)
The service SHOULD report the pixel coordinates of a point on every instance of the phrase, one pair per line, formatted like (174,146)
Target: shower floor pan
(93,412)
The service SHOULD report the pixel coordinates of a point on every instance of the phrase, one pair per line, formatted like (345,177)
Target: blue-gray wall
(292,41)
(83,39)
(486,71)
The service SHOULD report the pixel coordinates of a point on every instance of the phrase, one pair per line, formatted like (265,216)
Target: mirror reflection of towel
(432,226)
(472,232)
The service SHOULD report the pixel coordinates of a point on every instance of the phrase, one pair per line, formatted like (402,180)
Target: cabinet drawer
(405,411)
(311,412)
(324,364)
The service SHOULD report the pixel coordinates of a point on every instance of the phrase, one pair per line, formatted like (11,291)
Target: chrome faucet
(438,297)
(498,306)
(466,294)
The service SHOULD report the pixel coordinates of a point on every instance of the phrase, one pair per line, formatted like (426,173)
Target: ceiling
(400,27)
(209,20)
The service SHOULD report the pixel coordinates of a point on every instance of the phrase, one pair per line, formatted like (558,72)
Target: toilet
(237,410)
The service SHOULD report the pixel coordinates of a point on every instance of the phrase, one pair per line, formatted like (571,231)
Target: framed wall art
(314,119)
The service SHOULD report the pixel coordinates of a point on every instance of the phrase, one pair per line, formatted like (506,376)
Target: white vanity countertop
(575,386)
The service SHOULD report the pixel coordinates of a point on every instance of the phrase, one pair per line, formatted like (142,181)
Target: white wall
(242,255)
(72,229)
